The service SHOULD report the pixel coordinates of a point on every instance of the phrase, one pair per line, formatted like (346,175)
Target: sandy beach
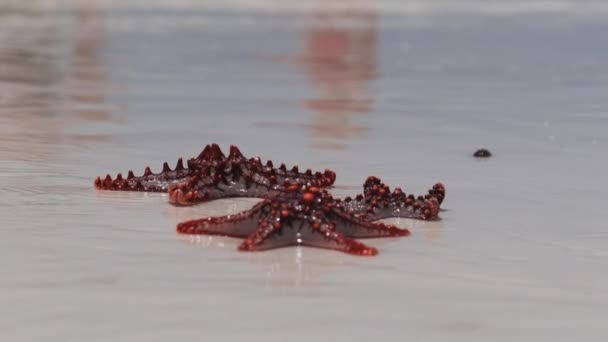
(405,91)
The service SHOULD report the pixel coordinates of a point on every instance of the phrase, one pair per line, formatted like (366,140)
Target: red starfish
(309,216)
(304,215)
(217,176)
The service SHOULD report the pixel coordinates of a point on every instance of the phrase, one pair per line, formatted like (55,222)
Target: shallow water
(403,91)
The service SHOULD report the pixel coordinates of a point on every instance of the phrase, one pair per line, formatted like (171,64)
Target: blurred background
(403,90)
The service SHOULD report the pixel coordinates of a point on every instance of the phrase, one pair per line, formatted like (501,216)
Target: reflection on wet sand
(283,268)
(45,88)
(339,56)
(28,86)
(86,77)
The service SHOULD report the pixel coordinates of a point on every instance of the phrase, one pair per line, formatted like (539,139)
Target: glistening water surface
(406,91)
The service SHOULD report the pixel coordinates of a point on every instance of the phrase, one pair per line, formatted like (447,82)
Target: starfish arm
(238,225)
(322,179)
(301,232)
(359,227)
(149,181)
(162,181)
(419,209)
(379,202)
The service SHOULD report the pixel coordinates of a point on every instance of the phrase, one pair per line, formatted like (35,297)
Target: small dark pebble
(482,153)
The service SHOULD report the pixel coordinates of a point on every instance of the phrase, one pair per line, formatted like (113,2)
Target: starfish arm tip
(358,248)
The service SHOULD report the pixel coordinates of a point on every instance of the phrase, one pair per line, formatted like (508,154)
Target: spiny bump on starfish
(211,152)
(438,191)
(235,154)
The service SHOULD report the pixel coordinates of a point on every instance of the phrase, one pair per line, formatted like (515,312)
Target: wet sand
(407,95)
